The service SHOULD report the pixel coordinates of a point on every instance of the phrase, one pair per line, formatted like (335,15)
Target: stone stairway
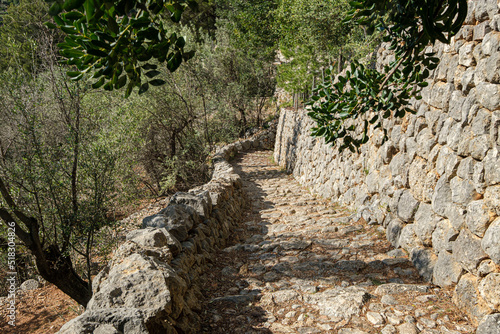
(300,264)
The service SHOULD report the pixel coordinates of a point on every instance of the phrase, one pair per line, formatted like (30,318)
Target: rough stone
(488,95)
(443,236)
(479,216)
(425,223)
(31,284)
(424,261)
(490,324)
(489,289)
(468,300)
(491,241)
(467,251)
(446,271)
(339,303)
(407,206)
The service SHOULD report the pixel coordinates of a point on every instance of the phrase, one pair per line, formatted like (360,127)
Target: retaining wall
(151,283)
(434,186)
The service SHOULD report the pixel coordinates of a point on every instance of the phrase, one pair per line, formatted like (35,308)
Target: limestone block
(486,267)
(494,128)
(424,261)
(491,241)
(440,95)
(455,135)
(467,251)
(481,10)
(495,22)
(408,239)
(453,65)
(467,32)
(481,71)
(155,237)
(422,180)
(445,130)
(479,147)
(465,55)
(489,289)
(425,142)
(491,43)
(489,95)
(432,116)
(462,191)
(471,17)
(480,125)
(442,196)
(425,223)
(492,8)
(468,300)
(481,29)
(492,167)
(443,236)
(468,80)
(456,214)
(407,206)
(393,230)
(466,168)
(479,216)
(492,198)
(490,324)
(456,102)
(109,321)
(446,271)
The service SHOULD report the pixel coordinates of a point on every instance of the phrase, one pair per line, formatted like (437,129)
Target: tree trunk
(57,269)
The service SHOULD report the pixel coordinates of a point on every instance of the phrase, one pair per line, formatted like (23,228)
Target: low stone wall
(151,283)
(434,186)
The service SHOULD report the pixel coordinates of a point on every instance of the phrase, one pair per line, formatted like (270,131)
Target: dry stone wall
(151,283)
(434,186)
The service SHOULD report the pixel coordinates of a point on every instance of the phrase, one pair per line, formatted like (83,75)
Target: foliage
(21,34)
(120,41)
(312,36)
(370,96)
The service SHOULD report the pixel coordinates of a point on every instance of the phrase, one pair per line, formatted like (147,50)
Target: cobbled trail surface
(300,264)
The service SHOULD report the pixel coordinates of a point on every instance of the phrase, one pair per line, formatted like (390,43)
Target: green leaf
(152,74)
(98,83)
(69,5)
(144,88)
(55,9)
(157,82)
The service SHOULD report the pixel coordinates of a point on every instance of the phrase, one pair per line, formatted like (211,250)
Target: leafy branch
(119,42)
(409,26)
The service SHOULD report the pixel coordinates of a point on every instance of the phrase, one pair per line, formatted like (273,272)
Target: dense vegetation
(73,149)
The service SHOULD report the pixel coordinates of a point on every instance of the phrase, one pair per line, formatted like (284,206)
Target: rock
(396,289)
(407,206)
(106,329)
(491,241)
(442,196)
(339,303)
(394,231)
(446,271)
(468,300)
(443,236)
(284,296)
(375,318)
(462,191)
(155,237)
(486,267)
(488,95)
(490,324)
(424,261)
(121,320)
(479,217)
(407,328)
(425,223)
(201,203)
(492,167)
(467,251)
(489,289)
(177,219)
(350,265)
(408,239)
(31,284)
(141,283)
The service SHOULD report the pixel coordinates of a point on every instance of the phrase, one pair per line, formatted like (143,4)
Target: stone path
(300,264)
